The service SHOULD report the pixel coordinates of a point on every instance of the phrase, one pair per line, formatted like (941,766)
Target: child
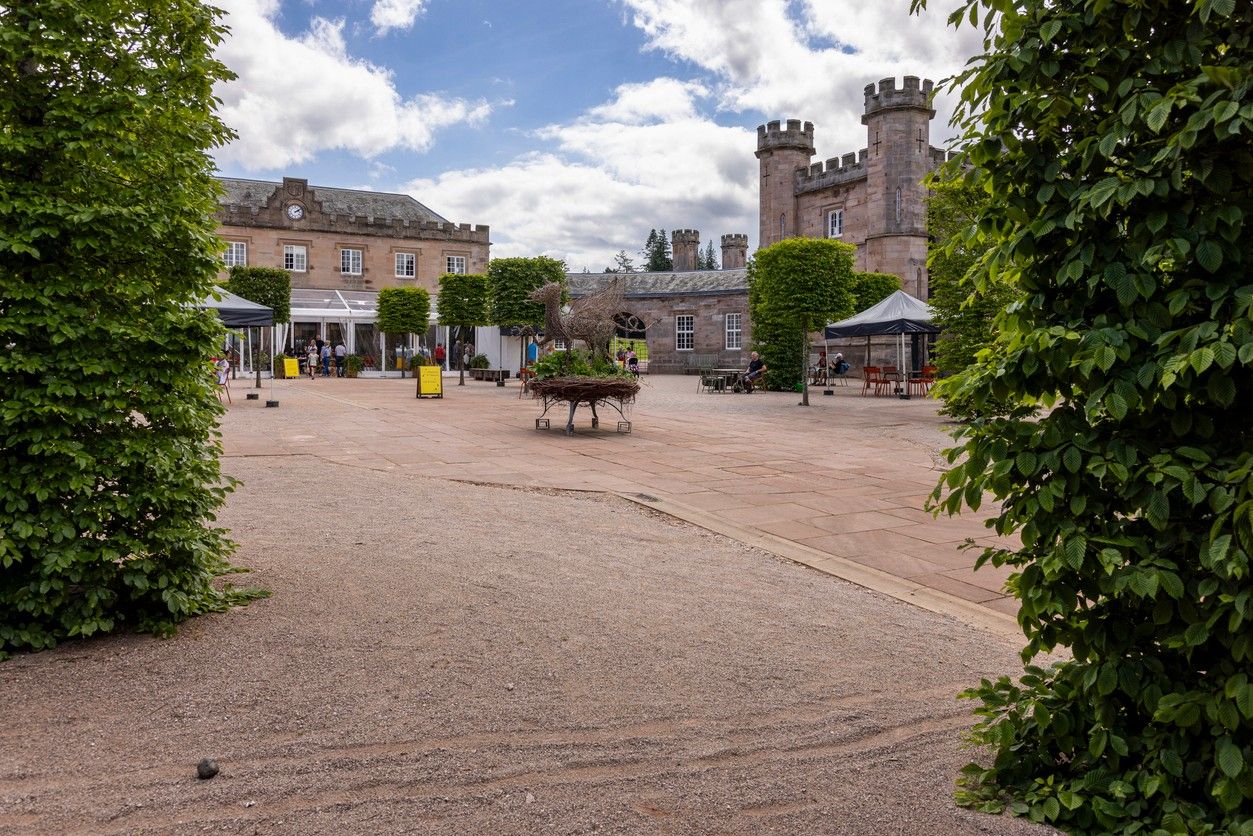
(311,359)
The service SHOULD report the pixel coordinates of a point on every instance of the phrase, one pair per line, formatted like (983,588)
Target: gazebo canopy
(235,311)
(899,313)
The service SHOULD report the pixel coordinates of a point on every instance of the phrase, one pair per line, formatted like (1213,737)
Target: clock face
(295,212)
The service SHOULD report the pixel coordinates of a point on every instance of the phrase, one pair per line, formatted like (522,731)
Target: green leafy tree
(966,298)
(869,289)
(800,285)
(403,311)
(510,284)
(109,469)
(658,256)
(622,263)
(267,286)
(463,303)
(1114,140)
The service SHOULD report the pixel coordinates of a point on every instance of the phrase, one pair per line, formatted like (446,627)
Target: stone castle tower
(734,251)
(685,246)
(874,199)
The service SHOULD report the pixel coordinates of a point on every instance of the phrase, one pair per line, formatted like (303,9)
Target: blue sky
(571,127)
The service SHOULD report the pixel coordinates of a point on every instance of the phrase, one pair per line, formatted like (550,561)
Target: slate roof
(640,285)
(379,205)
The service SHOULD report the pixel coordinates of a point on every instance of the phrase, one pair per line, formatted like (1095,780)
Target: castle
(874,199)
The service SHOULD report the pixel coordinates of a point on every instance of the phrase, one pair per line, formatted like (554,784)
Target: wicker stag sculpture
(590,318)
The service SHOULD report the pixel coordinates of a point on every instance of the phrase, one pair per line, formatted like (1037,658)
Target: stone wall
(709,335)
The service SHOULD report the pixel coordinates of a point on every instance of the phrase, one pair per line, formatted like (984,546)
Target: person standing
(341,351)
(326,359)
(311,359)
(440,355)
(456,352)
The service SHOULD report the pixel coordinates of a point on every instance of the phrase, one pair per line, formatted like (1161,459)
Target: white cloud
(612,175)
(296,97)
(395,14)
(812,67)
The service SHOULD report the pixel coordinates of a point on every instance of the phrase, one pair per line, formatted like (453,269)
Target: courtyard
(478,627)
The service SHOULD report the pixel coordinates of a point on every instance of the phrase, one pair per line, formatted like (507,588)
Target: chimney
(734,251)
(685,244)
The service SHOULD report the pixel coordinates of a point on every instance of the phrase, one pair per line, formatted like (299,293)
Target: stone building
(874,198)
(341,246)
(344,239)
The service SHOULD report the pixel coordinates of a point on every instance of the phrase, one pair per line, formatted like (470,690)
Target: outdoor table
(729,377)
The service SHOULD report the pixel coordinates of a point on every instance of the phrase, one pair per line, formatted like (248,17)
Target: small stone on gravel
(206,769)
(508,686)
(530,799)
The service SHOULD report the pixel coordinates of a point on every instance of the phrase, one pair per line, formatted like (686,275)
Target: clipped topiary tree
(109,472)
(799,285)
(403,311)
(1115,141)
(869,289)
(511,281)
(267,286)
(463,302)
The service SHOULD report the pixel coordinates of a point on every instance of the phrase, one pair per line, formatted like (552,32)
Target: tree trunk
(804,369)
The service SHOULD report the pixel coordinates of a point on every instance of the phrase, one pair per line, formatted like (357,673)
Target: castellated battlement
(836,171)
(245,215)
(685,235)
(888,97)
(734,239)
(772,135)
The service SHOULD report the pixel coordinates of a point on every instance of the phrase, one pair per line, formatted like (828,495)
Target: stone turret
(734,251)
(898,123)
(781,152)
(685,244)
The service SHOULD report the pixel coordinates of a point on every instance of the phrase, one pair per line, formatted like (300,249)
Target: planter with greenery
(353,364)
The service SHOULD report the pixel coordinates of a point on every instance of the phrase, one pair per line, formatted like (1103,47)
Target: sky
(571,127)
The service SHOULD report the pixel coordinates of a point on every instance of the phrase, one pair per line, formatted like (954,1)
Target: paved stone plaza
(839,485)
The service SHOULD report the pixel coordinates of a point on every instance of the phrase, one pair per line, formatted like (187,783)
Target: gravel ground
(441,657)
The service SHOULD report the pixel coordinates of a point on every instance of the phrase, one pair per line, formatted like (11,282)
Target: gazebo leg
(570,422)
(595,417)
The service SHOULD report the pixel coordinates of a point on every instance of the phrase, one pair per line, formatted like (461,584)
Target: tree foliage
(463,299)
(404,310)
(800,284)
(511,281)
(657,257)
(869,289)
(267,286)
(622,263)
(1113,139)
(707,259)
(109,470)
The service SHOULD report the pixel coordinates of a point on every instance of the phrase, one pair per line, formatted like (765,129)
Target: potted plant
(353,364)
(277,366)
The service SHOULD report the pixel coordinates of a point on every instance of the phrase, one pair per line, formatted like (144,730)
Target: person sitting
(756,368)
(633,363)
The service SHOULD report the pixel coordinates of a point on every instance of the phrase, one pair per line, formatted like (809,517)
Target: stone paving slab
(843,480)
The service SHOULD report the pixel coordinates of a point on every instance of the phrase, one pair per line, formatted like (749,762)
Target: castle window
(406,265)
(455,264)
(782,226)
(295,258)
(350,262)
(735,331)
(236,254)
(684,332)
(835,223)
(898,206)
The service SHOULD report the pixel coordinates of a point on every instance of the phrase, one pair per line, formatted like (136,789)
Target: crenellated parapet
(260,215)
(772,136)
(836,171)
(685,236)
(911,95)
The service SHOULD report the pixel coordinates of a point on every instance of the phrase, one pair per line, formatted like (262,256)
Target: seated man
(756,368)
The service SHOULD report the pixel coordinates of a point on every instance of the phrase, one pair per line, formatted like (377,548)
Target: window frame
(229,258)
(346,260)
(835,223)
(411,262)
(290,256)
(689,332)
(448,265)
(738,331)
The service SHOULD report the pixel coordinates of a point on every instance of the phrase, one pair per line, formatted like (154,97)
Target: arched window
(782,226)
(898,206)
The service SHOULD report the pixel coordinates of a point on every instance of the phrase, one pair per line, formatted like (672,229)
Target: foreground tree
(798,286)
(404,311)
(109,475)
(463,303)
(966,298)
(1115,140)
(869,289)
